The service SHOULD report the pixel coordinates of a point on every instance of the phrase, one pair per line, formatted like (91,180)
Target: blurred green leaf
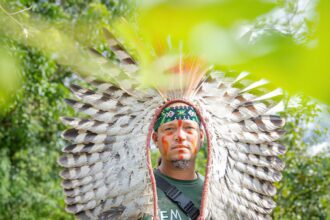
(30,130)
(9,78)
(298,68)
(179,18)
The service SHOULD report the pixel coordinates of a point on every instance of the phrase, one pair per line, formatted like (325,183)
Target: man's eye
(168,129)
(190,127)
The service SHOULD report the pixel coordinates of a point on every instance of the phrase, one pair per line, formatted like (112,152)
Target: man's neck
(188,173)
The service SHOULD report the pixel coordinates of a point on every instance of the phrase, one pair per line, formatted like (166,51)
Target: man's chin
(181,164)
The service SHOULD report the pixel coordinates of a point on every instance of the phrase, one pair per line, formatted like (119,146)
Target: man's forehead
(178,122)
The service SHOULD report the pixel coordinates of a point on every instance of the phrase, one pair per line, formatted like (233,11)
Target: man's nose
(180,135)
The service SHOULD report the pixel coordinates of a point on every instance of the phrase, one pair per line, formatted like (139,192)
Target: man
(178,136)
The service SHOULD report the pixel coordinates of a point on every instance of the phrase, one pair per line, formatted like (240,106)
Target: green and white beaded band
(176,113)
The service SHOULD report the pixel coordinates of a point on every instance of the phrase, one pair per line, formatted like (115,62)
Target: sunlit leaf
(9,78)
(179,18)
(299,67)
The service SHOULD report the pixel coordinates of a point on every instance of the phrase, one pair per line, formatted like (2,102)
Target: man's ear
(155,138)
(202,135)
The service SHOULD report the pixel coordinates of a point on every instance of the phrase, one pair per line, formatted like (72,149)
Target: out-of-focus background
(43,44)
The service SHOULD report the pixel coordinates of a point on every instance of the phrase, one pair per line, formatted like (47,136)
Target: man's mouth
(180,146)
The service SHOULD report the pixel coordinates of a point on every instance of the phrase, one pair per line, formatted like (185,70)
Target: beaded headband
(176,113)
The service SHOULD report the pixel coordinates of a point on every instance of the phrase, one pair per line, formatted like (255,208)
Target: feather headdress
(107,170)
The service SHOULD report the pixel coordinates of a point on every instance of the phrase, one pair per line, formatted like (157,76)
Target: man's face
(178,140)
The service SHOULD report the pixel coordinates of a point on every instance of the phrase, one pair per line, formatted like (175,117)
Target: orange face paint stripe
(194,146)
(165,145)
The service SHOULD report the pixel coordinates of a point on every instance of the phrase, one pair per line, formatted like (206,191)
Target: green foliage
(30,141)
(210,30)
(30,146)
(304,191)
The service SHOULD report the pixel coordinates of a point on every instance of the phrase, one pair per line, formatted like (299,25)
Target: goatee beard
(181,164)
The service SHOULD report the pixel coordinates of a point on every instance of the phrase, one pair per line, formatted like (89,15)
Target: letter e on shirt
(174,215)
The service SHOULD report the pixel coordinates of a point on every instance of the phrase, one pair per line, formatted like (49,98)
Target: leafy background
(33,78)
